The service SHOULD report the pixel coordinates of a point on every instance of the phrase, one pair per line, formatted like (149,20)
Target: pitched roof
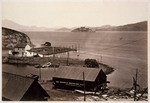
(15,86)
(76,73)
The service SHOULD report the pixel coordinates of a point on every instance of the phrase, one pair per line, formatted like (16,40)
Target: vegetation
(46,44)
(91,63)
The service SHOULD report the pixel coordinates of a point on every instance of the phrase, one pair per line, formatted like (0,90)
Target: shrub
(91,63)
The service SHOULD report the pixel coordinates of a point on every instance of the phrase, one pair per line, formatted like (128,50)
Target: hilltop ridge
(140,26)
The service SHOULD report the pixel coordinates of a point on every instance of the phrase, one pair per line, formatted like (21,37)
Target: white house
(21,50)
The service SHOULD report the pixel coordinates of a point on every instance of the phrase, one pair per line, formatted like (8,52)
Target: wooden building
(72,78)
(20,88)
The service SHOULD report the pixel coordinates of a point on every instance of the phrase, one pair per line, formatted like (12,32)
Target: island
(82,29)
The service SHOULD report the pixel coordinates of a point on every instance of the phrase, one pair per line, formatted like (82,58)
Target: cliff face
(12,37)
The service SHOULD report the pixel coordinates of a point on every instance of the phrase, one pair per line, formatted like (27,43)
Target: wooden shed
(72,78)
(20,88)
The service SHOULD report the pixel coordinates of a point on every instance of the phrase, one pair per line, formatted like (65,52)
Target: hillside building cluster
(29,50)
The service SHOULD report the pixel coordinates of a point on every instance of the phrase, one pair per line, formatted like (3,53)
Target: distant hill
(63,30)
(12,37)
(140,26)
(15,26)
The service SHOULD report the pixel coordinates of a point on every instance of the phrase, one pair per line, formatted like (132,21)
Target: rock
(12,37)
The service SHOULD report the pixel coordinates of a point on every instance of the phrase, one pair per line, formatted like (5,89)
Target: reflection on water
(46,73)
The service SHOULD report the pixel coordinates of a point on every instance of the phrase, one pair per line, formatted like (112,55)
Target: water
(125,51)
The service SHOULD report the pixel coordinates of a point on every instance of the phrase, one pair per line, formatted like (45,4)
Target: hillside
(12,37)
(140,26)
(16,26)
(63,30)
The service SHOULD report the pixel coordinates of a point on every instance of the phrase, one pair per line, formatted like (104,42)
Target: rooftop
(15,86)
(76,73)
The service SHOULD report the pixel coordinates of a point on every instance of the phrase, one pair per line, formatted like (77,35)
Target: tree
(47,44)
(91,63)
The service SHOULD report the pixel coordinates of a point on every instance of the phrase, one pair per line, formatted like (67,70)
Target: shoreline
(32,61)
(113,93)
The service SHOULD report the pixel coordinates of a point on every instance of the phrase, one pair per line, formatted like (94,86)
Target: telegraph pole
(135,85)
(67,57)
(79,47)
(101,58)
(40,72)
(54,57)
(53,54)
(84,86)
(76,47)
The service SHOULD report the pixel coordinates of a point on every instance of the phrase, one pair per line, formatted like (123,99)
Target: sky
(74,14)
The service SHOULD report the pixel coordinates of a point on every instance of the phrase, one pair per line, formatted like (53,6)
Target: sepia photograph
(74,50)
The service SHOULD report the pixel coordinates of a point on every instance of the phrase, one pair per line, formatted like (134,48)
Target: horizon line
(73,26)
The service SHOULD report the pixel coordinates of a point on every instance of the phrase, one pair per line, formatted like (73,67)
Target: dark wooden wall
(34,93)
(64,83)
